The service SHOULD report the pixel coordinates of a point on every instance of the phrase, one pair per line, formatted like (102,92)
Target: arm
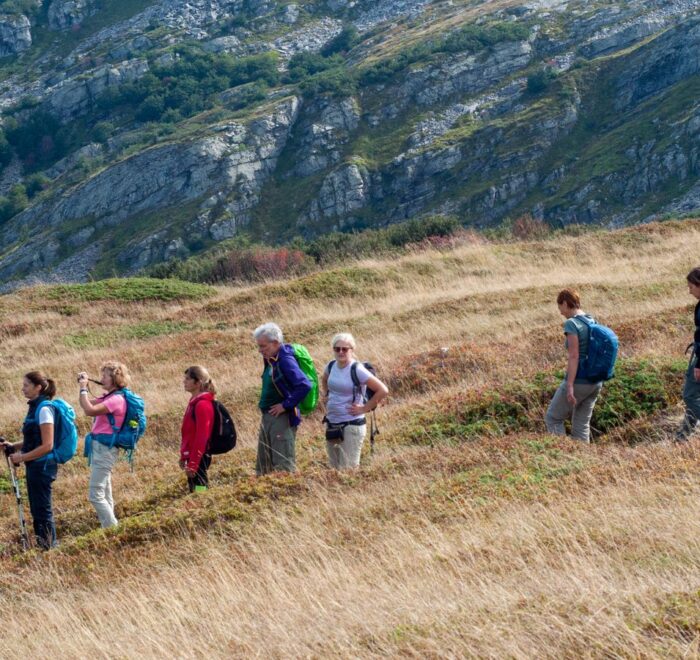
(204,421)
(296,380)
(380,393)
(86,403)
(44,448)
(571,367)
(324,387)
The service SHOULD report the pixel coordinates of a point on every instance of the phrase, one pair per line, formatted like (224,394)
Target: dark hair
(694,276)
(48,386)
(570,297)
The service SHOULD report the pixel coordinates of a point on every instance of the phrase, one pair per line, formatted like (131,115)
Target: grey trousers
(691,397)
(276,445)
(560,410)
(101,464)
(346,454)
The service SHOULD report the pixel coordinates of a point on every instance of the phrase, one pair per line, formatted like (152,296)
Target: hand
(570,395)
(83,379)
(696,374)
(191,474)
(17,457)
(277,410)
(357,409)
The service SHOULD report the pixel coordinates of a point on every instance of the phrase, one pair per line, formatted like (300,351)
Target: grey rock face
(15,34)
(64,14)
(329,127)
(235,159)
(672,57)
(71,98)
(343,191)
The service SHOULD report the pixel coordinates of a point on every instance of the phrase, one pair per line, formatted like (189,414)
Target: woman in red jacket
(197,426)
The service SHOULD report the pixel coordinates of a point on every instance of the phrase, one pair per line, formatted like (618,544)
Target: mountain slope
(138,132)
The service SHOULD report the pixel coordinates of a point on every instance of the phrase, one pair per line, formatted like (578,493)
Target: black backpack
(223,433)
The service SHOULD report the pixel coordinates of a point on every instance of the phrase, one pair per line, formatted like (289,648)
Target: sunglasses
(343,349)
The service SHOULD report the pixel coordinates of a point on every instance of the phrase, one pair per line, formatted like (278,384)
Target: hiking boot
(200,489)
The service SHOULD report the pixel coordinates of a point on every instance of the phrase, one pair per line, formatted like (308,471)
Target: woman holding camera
(344,386)
(98,444)
(37,443)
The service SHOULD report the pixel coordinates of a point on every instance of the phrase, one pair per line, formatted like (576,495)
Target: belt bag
(334,432)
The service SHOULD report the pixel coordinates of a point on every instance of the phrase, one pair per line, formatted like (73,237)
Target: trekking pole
(373,432)
(18,494)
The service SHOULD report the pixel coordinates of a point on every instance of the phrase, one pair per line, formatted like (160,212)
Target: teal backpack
(65,434)
(134,425)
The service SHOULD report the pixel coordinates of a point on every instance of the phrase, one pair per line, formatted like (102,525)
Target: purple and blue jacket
(290,381)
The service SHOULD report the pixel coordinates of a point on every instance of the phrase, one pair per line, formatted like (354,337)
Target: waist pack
(65,432)
(599,362)
(223,433)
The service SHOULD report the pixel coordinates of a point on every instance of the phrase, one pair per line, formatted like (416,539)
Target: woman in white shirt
(344,385)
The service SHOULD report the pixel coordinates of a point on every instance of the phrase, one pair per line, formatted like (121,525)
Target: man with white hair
(284,386)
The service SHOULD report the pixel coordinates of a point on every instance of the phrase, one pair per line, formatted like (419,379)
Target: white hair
(270,331)
(343,336)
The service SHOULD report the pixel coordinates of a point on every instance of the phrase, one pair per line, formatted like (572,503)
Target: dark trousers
(276,445)
(201,478)
(40,478)
(691,397)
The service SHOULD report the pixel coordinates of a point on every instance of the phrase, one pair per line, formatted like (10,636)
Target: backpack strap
(588,322)
(329,366)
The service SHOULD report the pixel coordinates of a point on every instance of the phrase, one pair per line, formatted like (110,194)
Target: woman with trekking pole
(34,451)
(109,410)
(197,425)
(344,387)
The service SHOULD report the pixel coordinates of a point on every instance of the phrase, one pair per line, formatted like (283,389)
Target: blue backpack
(599,362)
(134,424)
(65,434)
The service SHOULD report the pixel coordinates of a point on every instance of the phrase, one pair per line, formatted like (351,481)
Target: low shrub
(135,289)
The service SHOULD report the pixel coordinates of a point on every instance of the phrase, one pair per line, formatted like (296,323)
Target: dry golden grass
(500,547)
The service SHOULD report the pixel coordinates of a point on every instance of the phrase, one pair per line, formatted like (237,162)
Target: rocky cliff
(141,131)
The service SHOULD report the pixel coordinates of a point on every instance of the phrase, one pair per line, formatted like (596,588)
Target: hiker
(284,385)
(576,396)
(197,425)
(99,443)
(691,387)
(38,442)
(344,385)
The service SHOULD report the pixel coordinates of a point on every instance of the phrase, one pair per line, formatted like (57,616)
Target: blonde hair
(118,372)
(201,375)
(343,336)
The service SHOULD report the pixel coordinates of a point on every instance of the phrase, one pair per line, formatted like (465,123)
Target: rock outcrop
(15,34)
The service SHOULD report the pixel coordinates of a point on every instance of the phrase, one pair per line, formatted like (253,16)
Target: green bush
(338,82)
(15,202)
(348,38)
(135,289)
(639,389)
(540,80)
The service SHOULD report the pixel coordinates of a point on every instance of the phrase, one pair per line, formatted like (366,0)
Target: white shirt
(342,392)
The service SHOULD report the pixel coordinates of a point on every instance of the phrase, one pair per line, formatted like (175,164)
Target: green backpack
(306,364)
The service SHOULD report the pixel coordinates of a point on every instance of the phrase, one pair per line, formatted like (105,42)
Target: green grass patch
(136,289)
(102,338)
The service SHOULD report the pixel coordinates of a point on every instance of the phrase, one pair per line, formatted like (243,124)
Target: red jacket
(196,430)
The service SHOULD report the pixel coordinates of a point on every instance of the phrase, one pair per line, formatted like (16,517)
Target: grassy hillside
(469,532)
